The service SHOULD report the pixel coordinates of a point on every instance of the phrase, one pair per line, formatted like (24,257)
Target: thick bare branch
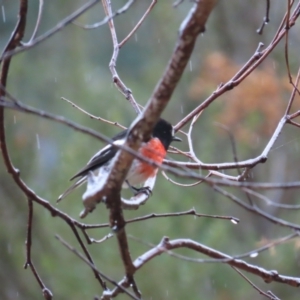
(142,127)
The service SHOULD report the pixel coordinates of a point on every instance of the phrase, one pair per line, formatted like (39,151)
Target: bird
(155,149)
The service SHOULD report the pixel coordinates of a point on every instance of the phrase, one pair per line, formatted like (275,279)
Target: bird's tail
(71,188)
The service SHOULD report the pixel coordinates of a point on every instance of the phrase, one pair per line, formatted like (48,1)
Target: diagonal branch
(50,32)
(248,68)
(166,245)
(142,127)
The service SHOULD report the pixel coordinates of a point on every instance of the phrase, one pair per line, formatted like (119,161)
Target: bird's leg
(145,189)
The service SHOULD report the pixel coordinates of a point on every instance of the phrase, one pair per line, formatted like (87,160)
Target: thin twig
(292,97)
(261,292)
(255,252)
(191,212)
(87,254)
(136,27)
(249,67)
(37,25)
(270,202)
(256,210)
(105,238)
(46,291)
(112,65)
(266,19)
(52,31)
(107,19)
(186,185)
(92,116)
(72,249)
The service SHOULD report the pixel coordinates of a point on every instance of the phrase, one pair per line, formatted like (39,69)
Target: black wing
(101,157)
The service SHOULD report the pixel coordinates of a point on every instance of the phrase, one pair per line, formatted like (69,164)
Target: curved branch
(166,245)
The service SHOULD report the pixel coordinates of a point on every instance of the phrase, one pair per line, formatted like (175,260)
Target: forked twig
(38,22)
(112,65)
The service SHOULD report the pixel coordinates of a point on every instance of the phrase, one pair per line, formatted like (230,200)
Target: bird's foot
(145,189)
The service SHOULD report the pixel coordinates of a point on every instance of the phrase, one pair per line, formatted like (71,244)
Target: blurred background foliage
(74,64)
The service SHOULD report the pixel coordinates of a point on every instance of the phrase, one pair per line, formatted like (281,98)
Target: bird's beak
(176,139)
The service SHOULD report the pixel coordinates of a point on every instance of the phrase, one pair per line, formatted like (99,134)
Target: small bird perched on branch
(154,149)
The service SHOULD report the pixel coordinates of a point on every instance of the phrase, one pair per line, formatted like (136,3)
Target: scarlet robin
(154,149)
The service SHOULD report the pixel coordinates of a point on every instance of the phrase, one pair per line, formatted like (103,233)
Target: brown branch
(253,253)
(185,168)
(256,59)
(142,127)
(87,254)
(190,212)
(286,46)
(183,165)
(266,19)
(155,107)
(166,245)
(92,116)
(282,24)
(46,292)
(14,41)
(69,19)
(121,287)
(256,210)
(113,62)
(292,97)
(19,106)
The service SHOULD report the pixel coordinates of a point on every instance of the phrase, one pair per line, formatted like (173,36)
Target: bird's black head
(165,132)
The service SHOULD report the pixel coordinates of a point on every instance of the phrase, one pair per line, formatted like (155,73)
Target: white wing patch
(107,149)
